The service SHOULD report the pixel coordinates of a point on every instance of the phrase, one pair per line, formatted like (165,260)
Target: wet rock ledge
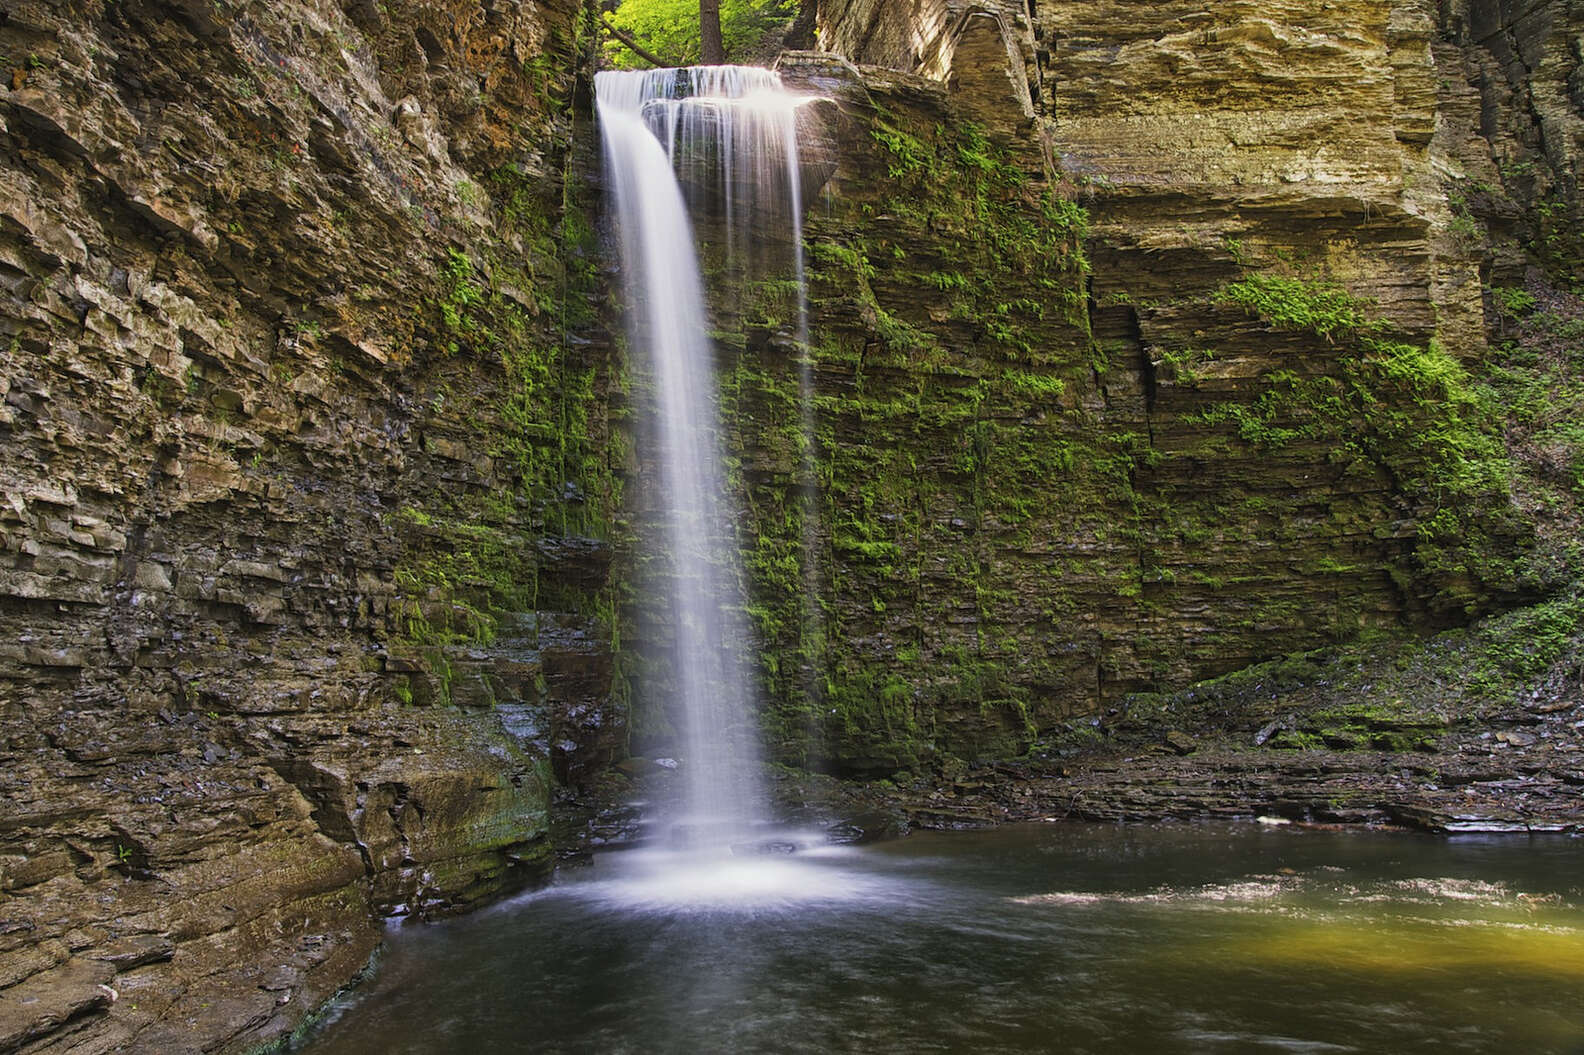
(1424,735)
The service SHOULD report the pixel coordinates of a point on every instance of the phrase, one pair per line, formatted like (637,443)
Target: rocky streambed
(1479,786)
(1520,780)
(1429,735)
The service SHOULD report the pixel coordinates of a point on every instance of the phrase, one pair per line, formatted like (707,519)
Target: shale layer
(1147,342)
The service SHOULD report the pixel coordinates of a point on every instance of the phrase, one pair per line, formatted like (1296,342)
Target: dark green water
(1056,938)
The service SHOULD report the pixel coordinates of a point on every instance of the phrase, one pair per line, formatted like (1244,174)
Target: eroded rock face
(987,50)
(286,311)
(1514,103)
(310,500)
(1078,439)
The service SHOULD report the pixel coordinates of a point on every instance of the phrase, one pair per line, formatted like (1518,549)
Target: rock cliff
(300,408)
(1142,346)
(1164,361)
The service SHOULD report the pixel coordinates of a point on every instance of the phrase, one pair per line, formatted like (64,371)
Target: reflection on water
(1033,939)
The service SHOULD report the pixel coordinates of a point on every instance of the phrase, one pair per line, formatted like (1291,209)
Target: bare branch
(633,45)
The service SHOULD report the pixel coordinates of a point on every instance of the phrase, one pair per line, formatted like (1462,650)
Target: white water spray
(719,135)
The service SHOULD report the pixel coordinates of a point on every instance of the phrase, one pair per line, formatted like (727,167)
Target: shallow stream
(1049,938)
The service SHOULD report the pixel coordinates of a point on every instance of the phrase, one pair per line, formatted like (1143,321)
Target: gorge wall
(292,427)
(1190,387)
(1140,347)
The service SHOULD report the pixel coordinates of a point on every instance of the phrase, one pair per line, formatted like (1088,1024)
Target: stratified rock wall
(1255,140)
(986,49)
(1140,351)
(1513,107)
(298,603)
(1234,419)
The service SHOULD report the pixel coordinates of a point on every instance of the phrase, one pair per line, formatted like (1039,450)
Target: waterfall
(717,138)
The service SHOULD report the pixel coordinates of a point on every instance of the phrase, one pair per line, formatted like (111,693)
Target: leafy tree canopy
(670,28)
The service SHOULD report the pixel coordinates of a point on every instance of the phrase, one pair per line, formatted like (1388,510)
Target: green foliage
(1182,365)
(1519,647)
(1298,304)
(899,335)
(1513,303)
(526,398)
(459,294)
(461,576)
(1040,387)
(872,720)
(1558,240)
(846,257)
(958,183)
(670,28)
(1408,409)
(906,154)
(946,309)
(1536,375)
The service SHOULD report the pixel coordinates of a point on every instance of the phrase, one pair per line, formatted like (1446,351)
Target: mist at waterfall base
(724,138)
(1064,938)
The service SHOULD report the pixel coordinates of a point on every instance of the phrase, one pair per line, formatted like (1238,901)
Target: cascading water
(724,137)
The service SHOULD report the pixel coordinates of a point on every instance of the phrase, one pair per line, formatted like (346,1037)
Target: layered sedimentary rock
(1139,340)
(1187,389)
(297,594)
(987,51)
(1513,103)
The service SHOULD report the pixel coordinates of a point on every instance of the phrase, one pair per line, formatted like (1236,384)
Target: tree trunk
(801,37)
(711,51)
